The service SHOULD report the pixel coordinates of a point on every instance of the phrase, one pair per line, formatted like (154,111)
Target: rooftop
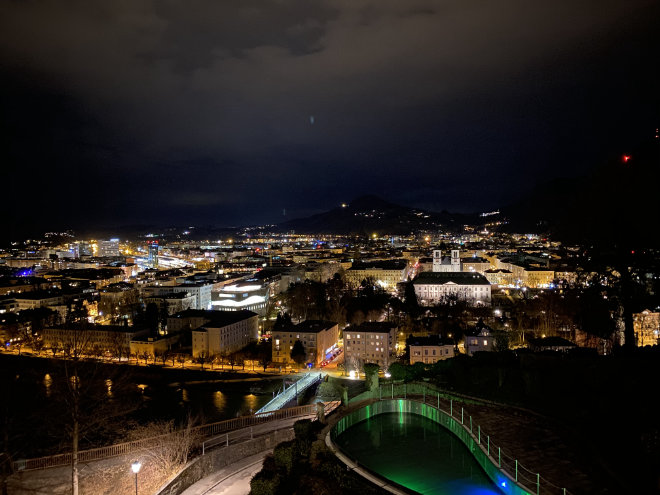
(430,340)
(373,327)
(379,265)
(458,278)
(216,319)
(314,326)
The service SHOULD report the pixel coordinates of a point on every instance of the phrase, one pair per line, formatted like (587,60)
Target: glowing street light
(136,469)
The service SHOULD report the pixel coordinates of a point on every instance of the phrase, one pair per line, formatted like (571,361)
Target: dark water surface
(416,453)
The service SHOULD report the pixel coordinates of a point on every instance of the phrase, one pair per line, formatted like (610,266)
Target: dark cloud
(200,111)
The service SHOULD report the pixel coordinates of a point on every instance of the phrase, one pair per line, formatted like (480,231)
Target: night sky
(226,113)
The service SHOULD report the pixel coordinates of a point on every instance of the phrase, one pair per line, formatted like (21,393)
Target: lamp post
(136,469)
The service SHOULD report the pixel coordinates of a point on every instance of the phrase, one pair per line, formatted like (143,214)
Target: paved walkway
(231,480)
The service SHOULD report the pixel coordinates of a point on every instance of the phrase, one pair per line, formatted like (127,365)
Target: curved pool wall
(500,478)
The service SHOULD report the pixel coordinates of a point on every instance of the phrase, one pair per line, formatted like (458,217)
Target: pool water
(416,453)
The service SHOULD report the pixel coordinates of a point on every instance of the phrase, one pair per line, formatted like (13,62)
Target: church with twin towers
(448,283)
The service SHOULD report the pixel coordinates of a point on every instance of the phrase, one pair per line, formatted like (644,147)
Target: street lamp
(136,469)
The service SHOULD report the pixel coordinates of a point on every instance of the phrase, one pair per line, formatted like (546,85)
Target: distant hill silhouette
(617,204)
(370,214)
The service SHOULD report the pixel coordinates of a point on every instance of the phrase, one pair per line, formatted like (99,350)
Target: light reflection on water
(251,403)
(219,401)
(48,383)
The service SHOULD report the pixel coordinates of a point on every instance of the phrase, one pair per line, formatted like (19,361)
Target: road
(231,480)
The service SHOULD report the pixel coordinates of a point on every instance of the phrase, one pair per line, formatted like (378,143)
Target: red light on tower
(626,158)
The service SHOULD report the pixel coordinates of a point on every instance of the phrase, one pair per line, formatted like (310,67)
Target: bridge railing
(507,462)
(202,432)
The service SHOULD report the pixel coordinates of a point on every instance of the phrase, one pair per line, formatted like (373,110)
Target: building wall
(189,322)
(39,303)
(315,343)
(476,343)
(369,347)
(647,328)
(102,337)
(227,339)
(154,347)
(430,354)
(387,278)
(429,294)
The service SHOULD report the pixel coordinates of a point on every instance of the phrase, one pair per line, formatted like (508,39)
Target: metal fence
(530,480)
(202,432)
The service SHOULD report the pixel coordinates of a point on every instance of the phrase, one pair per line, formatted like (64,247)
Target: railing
(473,436)
(203,431)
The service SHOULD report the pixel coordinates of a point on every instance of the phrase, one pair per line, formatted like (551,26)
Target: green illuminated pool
(416,453)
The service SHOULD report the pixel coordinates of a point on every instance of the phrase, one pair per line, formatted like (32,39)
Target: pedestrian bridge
(288,394)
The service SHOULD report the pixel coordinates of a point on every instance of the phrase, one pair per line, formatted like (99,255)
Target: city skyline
(220,115)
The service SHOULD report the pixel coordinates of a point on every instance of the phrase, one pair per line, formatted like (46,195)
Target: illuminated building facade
(108,248)
(225,332)
(317,336)
(442,287)
(443,265)
(152,259)
(91,337)
(429,350)
(647,328)
(251,295)
(370,342)
(386,274)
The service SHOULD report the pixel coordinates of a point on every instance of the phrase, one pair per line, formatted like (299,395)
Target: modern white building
(201,291)
(444,287)
(251,295)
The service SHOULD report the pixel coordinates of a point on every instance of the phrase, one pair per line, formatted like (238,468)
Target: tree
(202,359)
(89,404)
(501,343)
(371,375)
(410,302)
(397,371)
(298,353)
(171,446)
(264,353)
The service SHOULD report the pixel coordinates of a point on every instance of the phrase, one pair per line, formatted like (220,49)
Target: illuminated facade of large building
(647,328)
(386,274)
(225,332)
(443,287)
(370,342)
(318,337)
(108,248)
